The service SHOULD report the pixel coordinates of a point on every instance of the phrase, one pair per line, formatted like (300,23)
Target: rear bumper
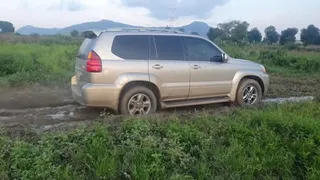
(96,95)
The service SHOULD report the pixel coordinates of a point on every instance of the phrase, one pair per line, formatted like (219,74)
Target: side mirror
(222,58)
(225,57)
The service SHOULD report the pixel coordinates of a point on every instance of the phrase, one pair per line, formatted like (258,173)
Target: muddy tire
(249,93)
(138,101)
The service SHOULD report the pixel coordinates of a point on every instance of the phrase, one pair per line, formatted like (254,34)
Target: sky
(258,13)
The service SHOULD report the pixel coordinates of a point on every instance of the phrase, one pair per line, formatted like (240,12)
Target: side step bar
(194,102)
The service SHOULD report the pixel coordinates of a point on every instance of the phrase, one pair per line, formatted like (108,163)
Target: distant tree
(310,35)
(214,33)
(35,35)
(181,29)
(6,27)
(272,36)
(236,31)
(264,40)
(240,31)
(254,35)
(194,33)
(317,41)
(288,36)
(226,28)
(74,33)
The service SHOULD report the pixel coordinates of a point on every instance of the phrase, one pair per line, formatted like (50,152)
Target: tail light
(93,62)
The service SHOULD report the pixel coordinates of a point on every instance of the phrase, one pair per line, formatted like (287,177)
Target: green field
(273,142)
(265,142)
(45,61)
(27,60)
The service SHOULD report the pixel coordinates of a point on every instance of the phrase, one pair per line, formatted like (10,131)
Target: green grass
(273,142)
(35,63)
(50,60)
(277,59)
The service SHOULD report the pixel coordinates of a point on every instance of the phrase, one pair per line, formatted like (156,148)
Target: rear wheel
(138,101)
(249,93)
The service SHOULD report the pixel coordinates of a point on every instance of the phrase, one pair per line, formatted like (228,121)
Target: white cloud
(163,9)
(69,5)
(282,14)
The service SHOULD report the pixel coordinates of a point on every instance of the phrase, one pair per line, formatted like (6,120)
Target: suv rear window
(131,47)
(85,48)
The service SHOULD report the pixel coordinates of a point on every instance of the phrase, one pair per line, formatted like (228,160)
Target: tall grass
(277,59)
(276,142)
(35,63)
(48,60)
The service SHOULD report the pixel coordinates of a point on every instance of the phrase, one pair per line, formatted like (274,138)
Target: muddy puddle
(48,115)
(290,99)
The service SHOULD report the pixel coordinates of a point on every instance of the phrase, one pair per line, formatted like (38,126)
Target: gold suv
(137,71)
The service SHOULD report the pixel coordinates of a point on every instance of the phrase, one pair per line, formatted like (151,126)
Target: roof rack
(93,33)
(143,30)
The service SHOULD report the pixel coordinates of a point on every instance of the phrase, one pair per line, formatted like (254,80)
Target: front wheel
(138,101)
(249,93)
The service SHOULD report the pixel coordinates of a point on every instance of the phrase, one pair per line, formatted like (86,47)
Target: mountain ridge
(197,26)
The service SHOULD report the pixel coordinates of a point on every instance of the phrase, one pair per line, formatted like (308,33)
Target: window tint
(131,47)
(153,52)
(169,48)
(85,48)
(200,50)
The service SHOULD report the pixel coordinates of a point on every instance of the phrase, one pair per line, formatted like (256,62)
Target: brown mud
(38,105)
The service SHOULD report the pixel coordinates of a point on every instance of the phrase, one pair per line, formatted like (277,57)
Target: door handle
(196,66)
(157,66)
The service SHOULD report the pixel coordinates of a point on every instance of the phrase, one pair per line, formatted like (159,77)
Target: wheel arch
(242,75)
(146,84)
(256,78)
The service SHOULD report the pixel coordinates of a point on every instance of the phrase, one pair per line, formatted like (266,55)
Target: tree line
(237,31)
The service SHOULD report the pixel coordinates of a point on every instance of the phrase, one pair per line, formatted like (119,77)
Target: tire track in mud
(73,112)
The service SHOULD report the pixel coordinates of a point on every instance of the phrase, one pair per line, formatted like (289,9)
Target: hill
(196,26)
(27,30)
(103,24)
(199,27)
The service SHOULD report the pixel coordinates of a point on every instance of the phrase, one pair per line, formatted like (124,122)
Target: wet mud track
(48,115)
(42,106)
(49,106)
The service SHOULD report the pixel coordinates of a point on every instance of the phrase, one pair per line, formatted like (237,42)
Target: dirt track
(45,106)
(48,106)
(42,106)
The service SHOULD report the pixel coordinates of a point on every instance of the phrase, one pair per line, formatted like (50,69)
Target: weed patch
(34,63)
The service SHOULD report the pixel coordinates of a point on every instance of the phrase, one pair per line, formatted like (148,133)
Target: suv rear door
(82,75)
(169,65)
(207,78)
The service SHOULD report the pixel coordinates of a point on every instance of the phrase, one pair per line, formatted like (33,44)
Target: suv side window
(169,48)
(200,50)
(131,47)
